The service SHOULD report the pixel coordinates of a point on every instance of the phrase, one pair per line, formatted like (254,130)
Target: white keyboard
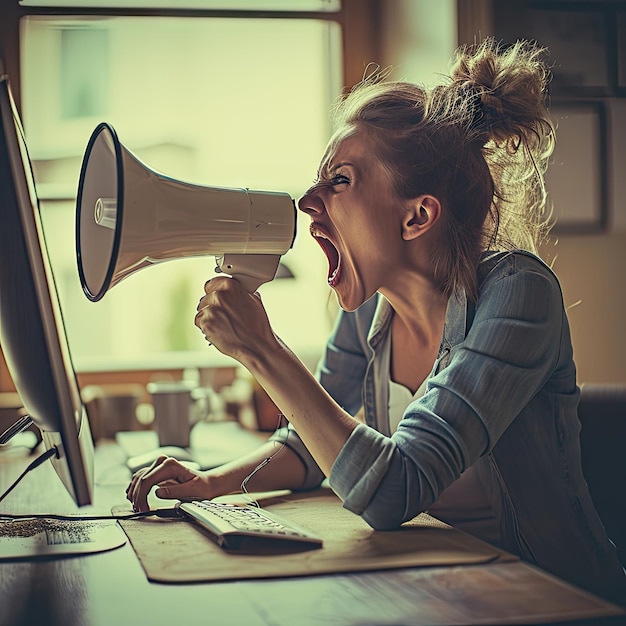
(241,528)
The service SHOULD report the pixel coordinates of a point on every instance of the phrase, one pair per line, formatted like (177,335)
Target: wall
(592,267)
(590,264)
(591,270)
(419,38)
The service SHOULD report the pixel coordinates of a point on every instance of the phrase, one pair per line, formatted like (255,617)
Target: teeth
(332,277)
(317,233)
(331,253)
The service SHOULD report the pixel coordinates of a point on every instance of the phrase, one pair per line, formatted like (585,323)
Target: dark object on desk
(11,410)
(174,410)
(602,412)
(113,408)
(247,529)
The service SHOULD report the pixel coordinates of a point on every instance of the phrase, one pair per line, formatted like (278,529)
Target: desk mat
(177,551)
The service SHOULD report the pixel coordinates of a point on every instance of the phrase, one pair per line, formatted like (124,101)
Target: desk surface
(111,588)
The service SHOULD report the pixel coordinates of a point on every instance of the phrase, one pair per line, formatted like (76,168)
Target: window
(223,101)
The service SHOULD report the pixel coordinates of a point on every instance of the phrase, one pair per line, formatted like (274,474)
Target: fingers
(165,470)
(212,287)
(139,473)
(218,283)
(230,317)
(203,319)
(190,490)
(215,302)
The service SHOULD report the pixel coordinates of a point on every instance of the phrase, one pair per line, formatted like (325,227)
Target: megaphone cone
(129,216)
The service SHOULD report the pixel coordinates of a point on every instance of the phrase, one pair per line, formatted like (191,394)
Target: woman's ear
(422,213)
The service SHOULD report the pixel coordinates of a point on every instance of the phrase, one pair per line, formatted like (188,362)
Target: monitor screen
(32,335)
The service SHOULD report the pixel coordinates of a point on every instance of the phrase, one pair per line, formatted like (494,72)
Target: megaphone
(128,217)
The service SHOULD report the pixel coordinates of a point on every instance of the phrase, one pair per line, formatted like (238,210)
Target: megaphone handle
(251,270)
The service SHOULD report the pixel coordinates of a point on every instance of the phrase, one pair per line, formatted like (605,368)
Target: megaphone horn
(129,216)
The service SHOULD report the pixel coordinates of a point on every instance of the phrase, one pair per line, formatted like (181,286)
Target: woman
(448,384)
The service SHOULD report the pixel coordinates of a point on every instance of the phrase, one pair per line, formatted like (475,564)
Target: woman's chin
(348,300)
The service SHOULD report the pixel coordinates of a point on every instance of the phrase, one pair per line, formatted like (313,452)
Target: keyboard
(244,528)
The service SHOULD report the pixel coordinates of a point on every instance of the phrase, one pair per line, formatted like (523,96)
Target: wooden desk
(110,589)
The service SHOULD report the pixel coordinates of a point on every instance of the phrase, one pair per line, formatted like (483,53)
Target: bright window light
(222,102)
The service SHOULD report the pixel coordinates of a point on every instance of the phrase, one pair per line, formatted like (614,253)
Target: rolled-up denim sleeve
(509,353)
(313,475)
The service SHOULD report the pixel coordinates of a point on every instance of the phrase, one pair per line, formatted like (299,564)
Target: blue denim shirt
(502,396)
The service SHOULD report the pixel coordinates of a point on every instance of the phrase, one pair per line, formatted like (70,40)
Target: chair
(602,412)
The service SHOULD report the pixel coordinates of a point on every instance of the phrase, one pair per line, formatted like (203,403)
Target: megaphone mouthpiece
(105,212)
(129,217)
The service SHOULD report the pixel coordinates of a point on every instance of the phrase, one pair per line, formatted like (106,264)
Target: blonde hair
(480,143)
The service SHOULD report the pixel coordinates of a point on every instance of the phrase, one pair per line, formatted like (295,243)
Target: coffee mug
(173,411)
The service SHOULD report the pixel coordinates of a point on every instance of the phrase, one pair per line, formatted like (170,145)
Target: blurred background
(236,94)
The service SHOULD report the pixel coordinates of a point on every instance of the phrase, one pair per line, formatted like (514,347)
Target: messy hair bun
(509,117)
(510,88)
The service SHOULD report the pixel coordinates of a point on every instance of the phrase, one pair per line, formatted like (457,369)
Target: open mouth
(332,254)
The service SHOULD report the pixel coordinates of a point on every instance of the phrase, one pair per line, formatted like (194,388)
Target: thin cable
(168,512)
(19,426)
(262,464)
(42,458)
(36,463)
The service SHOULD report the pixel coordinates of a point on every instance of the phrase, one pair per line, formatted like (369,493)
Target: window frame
(359,21)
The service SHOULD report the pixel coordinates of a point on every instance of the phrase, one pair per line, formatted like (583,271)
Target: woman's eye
(340,179)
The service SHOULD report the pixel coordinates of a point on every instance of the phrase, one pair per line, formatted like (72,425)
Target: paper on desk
(44,538)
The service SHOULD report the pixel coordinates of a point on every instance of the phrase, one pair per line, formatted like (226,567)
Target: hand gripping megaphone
(129,217)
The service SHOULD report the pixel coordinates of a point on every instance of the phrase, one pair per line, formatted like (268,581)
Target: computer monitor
(32,334)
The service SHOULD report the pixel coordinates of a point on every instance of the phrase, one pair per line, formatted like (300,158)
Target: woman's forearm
(321,424)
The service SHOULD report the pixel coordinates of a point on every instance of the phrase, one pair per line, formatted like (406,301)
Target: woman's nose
(310,202)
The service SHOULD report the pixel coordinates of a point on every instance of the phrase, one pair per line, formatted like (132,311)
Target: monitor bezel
(69,431)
